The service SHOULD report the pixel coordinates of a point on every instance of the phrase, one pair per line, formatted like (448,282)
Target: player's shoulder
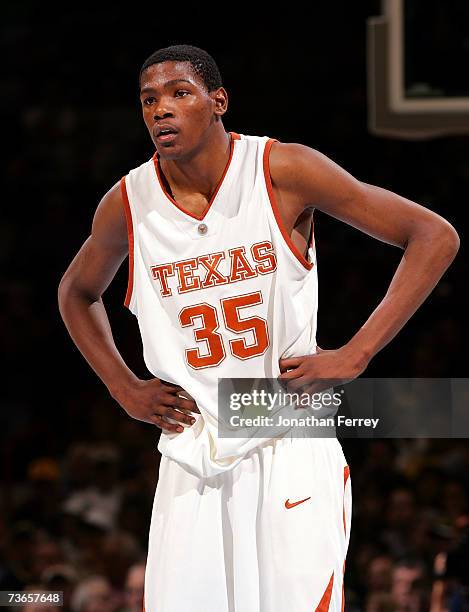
(289,160)
(290,153)
(109,222)
(112,218)
(280,152)
(112,201)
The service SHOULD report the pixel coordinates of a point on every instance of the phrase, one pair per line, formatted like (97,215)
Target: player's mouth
(165,133)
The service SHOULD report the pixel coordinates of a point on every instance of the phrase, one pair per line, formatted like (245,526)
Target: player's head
(181,87)
(202,63)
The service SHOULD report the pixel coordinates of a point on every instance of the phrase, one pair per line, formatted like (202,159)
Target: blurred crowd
(76,524)
(79,524)
(409,548)
(77,474)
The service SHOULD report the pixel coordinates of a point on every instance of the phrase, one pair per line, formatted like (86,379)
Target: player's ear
(220,99)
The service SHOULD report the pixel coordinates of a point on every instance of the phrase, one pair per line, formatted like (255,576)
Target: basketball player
(222,280)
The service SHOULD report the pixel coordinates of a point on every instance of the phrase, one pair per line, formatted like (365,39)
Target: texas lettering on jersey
(203,271)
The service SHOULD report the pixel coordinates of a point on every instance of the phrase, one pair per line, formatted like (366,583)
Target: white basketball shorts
(270,535)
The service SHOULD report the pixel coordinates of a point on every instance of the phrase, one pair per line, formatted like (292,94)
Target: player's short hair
(202,62)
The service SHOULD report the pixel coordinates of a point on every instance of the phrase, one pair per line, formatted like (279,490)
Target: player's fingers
(167,399)
(283,368)
(167,423)
(310,389)
(183,393)
(286,375)
(295,384)
(184,404)
(313,385)
(175,389)
(178,402)
(290,362)
(164,425)
(170,388)
(169,412)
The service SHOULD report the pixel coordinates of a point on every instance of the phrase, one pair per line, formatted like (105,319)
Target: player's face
(174,97)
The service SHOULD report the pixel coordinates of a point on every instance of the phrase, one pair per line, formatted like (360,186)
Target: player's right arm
(83,312)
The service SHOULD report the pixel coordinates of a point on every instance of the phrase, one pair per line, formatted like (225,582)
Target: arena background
(78,475)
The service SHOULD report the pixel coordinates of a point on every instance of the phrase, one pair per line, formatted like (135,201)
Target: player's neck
(201,172)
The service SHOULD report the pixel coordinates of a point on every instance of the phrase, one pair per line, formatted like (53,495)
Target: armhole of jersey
(130,235)
(268,181)
(311,242)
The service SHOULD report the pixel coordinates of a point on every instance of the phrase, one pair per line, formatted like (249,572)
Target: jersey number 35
(231,309)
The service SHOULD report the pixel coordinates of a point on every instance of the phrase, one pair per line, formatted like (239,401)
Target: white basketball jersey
(221,295)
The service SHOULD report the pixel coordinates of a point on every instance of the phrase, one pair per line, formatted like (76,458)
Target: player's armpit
(310,178)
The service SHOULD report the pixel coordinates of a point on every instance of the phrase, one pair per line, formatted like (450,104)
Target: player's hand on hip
(156,401)
(321,371)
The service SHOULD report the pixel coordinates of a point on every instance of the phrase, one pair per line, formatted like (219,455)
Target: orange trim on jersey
(278,218)
(233,137)
(323,605)
(346,477)
(346,474)
(311,242)
(130,235)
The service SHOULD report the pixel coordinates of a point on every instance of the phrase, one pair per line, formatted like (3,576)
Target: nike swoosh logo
(289,504)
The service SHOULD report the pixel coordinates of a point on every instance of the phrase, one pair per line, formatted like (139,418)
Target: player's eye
(180,93)
(148,101)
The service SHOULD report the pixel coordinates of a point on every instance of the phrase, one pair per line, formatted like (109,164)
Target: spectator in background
(37,607)
(78,467)
(408,588)
(454,500)
(134,584)
(16,567)
(60,578)
(408,592)
(119,551)
(102,496)
(39,497)
(451,571)
(94,594)
(380,602)
(379,575)
(400,519)
(46,552)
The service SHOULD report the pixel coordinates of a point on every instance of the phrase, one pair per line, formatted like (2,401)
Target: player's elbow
(70,291)
(63,291)
(445,239)
(450,239)
(436,237)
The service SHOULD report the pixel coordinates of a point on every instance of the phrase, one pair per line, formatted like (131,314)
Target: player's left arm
(429,242)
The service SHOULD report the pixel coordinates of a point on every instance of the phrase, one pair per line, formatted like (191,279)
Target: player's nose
(162,111)
(160,116)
